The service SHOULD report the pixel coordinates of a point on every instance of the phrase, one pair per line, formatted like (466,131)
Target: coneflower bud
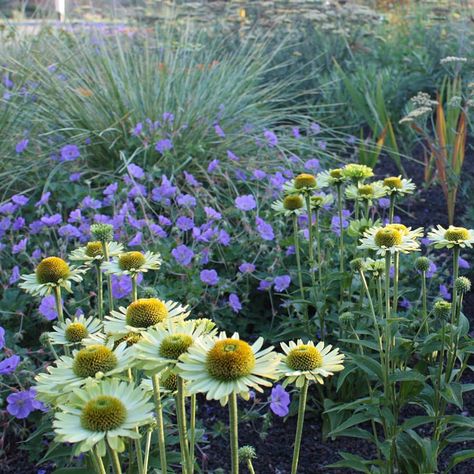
(102,232)
(346,318)
(247,453)
(462,285)
(442,309)
(422,264)
(357,264)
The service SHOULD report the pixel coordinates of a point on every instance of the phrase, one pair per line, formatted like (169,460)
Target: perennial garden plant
(202,263)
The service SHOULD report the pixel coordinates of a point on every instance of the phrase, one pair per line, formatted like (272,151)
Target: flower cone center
(174,345)
(230,359)
(394,182)
(388,237)
(93,359)
(454,234)
(51,270)
(76,332)
(304,357)
(131,261)
(291,203)
(94,249)
(146,312)
(104,413)
(305,180)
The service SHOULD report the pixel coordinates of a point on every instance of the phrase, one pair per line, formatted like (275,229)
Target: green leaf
(72,470)
(353,420)
(407,376)
(460,457)
(452,393)
(368,365)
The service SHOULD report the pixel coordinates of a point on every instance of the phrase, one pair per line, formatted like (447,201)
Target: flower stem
(192,428)
(99,461)
(318,245)
(299,426)
(160,423)
(183,433)
(105,250)
(297,252)
(100,292)
(234,433)
(250,467)
(115,461)
(341,231)
(311,240)
(391,212)
(396,270)
(147,450)
(134,287)
(59,310)
(424,310)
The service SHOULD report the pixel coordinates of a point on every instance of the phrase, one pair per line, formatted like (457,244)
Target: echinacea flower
(357,172)
(142,314)
(392,238)
(304,183)
(308,362)
(106,412)
(365,192)
(162,346)
(396,185)
(451,237)
(319,201)
(92,363)
(133,263)
(93,252)
(290,205)
(50,273)
(73,331)
(334,177)
(227,365)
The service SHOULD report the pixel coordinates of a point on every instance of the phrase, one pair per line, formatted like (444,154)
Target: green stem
(99,461)
(105,250)
(134,287)
(391,212)
(424,310)
(100,292)
(234,433)
(318,244)
(297,253)
(160,424)
(192,429)
(299,426)
(182,429)
(59,310)
(115,462)
(147,451)
(341,231)
(311,240)
(396,269)
(250,466)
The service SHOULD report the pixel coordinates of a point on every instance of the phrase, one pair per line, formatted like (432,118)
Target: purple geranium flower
(21,404)
(47,308)
(209,277)
(443,291)
(463,263)
(213,165)
(245,203)
(9,365)
(136,240)
(182,254)
(122,285)
(282,282)
(15,275)
(70,153)
(164,145)
(184,223)
(2,337)
(135,171)
(264,285)
(246,267)
(219,132)
(280,401)
(335,222)
(264,229)
(271,138)
(20,246)
(21,145)
(212,214)
(235,303)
